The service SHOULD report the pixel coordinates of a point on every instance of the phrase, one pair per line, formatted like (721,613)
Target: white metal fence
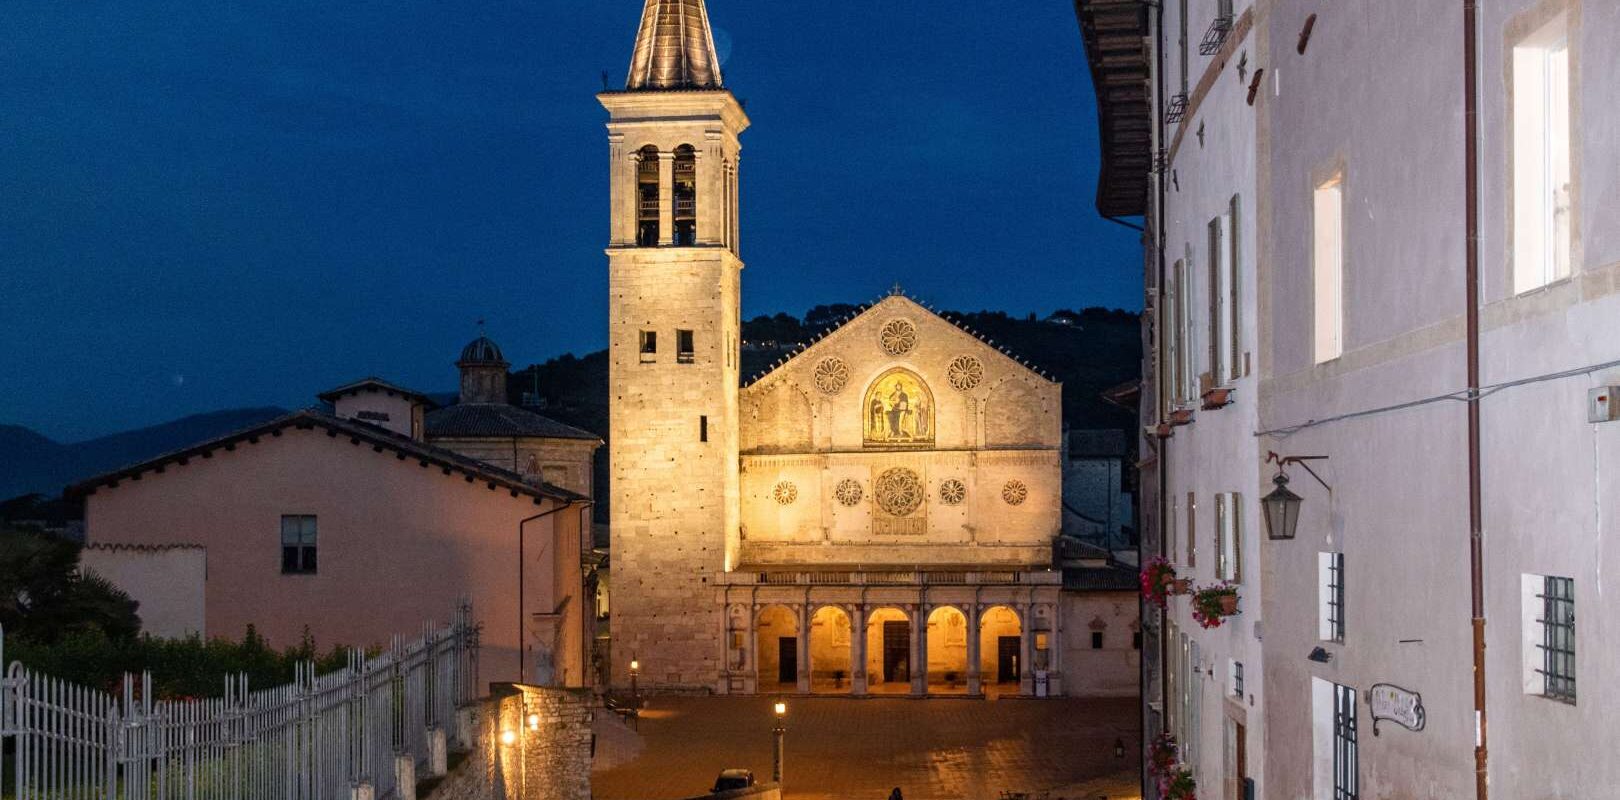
(313,739)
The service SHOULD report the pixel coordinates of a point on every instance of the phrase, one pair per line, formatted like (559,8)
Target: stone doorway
(776,632)
(787,660)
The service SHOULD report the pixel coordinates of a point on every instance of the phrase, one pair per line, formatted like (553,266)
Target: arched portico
(947,651)
(1001,649)
(776,631)
(831,659)
(888,651)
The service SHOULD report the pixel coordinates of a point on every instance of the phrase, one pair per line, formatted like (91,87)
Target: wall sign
(1400,706)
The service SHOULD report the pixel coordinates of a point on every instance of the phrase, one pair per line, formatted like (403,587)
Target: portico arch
(830,667)
(776,631)
(1000,653)
(888,651)
(947,651)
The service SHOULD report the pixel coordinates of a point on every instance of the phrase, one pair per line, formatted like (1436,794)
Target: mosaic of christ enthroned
(899,410)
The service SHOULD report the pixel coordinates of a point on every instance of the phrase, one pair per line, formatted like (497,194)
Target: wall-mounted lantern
(1281,510)
(1281,506)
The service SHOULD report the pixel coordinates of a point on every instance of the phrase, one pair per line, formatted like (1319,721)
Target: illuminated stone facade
(885,500)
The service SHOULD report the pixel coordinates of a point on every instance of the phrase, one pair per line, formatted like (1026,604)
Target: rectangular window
(298,544)
(703,428)
(1096,640)
(1192,531)
(685,352)
(1346,755)
(1330,583)
(649,345)
(1234,308)
(1328,268)
(1219,337)
(1237,678)
(1541,157)
(1177,338)
(1136,640)
(1229,537)
(1554,606)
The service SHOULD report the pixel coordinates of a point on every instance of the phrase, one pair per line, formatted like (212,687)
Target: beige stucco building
(358,522)
(876,514)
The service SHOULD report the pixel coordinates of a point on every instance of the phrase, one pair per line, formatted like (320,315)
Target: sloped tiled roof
(375,384)
(498,419)
(381,440)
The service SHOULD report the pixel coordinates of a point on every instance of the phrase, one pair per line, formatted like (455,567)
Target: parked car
(733,779)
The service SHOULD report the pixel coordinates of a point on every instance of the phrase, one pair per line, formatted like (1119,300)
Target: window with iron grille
(298,544)
(1346,758)
(1558,638)
(1332,588)
(1237,679)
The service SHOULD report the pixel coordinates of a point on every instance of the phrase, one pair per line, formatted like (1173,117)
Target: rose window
(898,337)
(831,375)
(1015,493)
(965,372)
(848,492)
(952,492)
(785,492)
(899,491)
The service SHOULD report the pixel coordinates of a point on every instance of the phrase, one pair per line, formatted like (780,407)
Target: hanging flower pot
(1158,580)
(1212,604)
(1162,754)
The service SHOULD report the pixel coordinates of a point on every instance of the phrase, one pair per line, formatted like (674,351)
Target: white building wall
(1212,157)
(1378,94)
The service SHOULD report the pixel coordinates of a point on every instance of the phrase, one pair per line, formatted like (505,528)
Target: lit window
(298,544)
(1328,268)
(1330,583)
(1541,157)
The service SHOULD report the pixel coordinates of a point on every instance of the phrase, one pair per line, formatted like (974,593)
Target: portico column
(666,197)
(975,680)
(1026,650)
(857,651)
(1054,656)
(919,651)
(804,649)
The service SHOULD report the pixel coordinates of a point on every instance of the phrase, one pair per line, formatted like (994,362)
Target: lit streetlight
(635,693)
(779,730)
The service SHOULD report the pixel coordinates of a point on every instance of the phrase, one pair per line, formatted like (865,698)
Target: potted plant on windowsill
(1178,784)
(1214,603)
(1158,581)
(1162,754)
(1181,416)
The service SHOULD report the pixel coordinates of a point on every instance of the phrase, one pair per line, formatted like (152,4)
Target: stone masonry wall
(526,743)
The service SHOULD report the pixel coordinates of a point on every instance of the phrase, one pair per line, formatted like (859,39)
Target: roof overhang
(1117,48)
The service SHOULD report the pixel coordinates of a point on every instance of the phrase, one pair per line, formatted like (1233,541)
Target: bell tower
(674,280)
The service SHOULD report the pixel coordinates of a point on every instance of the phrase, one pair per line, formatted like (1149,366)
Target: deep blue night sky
(217,204)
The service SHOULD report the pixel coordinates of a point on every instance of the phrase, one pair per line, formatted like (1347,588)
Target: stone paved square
(848,749)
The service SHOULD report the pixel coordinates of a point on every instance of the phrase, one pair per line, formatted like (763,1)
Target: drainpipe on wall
(1476,549)
(1162,462)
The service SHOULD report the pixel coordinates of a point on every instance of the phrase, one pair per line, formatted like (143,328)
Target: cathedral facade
(877,514)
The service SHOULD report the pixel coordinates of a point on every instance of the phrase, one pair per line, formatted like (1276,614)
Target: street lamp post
(779,730)
(635,694)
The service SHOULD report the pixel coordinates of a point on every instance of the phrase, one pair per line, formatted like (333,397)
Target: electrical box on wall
(1603,404)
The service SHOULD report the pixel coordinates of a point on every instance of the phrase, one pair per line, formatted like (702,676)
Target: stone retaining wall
(523,743)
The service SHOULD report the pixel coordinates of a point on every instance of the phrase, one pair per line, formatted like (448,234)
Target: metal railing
(891,578)
(313,739)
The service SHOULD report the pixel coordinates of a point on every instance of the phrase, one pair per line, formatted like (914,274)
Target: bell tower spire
(674,327)
(674,48)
